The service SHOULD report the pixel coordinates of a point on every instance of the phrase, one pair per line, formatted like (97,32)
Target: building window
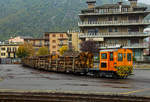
(61,35)
(54,47)
(70,37)
(40,43)
(14,55)
(133,29)
(53,52)
(93,31)
(92,19)
(110,19)
(54,41)
(8,55)
(3,48)
(133,18)
(2,54)
(61,42)
(116,41)
(134,41)
(53,35)
(115,18)
(14,49)
(8,49)
(110,30)
(129,56)
(116,29)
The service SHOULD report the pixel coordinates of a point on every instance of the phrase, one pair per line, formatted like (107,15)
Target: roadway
(16,77)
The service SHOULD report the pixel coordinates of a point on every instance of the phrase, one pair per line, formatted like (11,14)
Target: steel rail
(67,97)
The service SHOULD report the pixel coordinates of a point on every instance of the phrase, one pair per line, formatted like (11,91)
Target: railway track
(66,97)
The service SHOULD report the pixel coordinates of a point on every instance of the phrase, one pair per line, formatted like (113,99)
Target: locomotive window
(129,56)
(111,56)
(124,55)
(120,57)
(104,56)
(103,65)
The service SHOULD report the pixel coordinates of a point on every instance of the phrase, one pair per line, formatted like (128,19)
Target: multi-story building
(115,25)
(36,42)
(18,39)
(73,40)
(8,50)
(55,40)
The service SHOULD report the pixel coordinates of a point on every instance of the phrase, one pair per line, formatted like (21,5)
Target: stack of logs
(69,62)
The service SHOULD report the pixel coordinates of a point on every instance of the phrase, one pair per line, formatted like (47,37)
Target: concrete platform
(18,78)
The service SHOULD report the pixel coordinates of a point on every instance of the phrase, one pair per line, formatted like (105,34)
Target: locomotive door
(104,59)
(121,57)
(111,61)
(129,58)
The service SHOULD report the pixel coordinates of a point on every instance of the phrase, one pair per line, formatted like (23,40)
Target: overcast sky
(145,1)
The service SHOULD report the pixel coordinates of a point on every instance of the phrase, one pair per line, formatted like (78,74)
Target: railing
(113,34)
(108,23)
(143,45)
(46,44)
(63,38)
(103,11)
(137,45)
(36,45)
(62,44)
(112,11)
(11,51)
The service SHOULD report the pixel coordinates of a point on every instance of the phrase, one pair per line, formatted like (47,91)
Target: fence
(10,61)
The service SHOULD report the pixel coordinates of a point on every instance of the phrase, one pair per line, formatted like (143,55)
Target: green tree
(30,49)
(25,50)
(43,51)
(22,52)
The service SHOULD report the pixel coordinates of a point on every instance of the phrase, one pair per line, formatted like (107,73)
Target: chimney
(120,6)
(133,3)
(91,3)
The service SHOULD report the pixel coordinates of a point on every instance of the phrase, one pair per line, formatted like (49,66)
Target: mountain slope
(34,17)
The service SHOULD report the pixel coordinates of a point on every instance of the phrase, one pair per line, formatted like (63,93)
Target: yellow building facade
(74,39)
(8,50)
(55,40)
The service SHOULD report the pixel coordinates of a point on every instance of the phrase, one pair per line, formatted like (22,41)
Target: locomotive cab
(116,62)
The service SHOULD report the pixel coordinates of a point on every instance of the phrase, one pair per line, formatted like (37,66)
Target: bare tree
(89,46)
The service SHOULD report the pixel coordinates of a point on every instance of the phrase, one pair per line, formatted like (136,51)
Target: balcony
(11,51)
(62,44)
(114,23)
(130,46)
(113,35)
(112,11)
(46,44)
(62,38)
(37,45)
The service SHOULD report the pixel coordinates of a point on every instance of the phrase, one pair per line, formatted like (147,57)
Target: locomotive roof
(109,50)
